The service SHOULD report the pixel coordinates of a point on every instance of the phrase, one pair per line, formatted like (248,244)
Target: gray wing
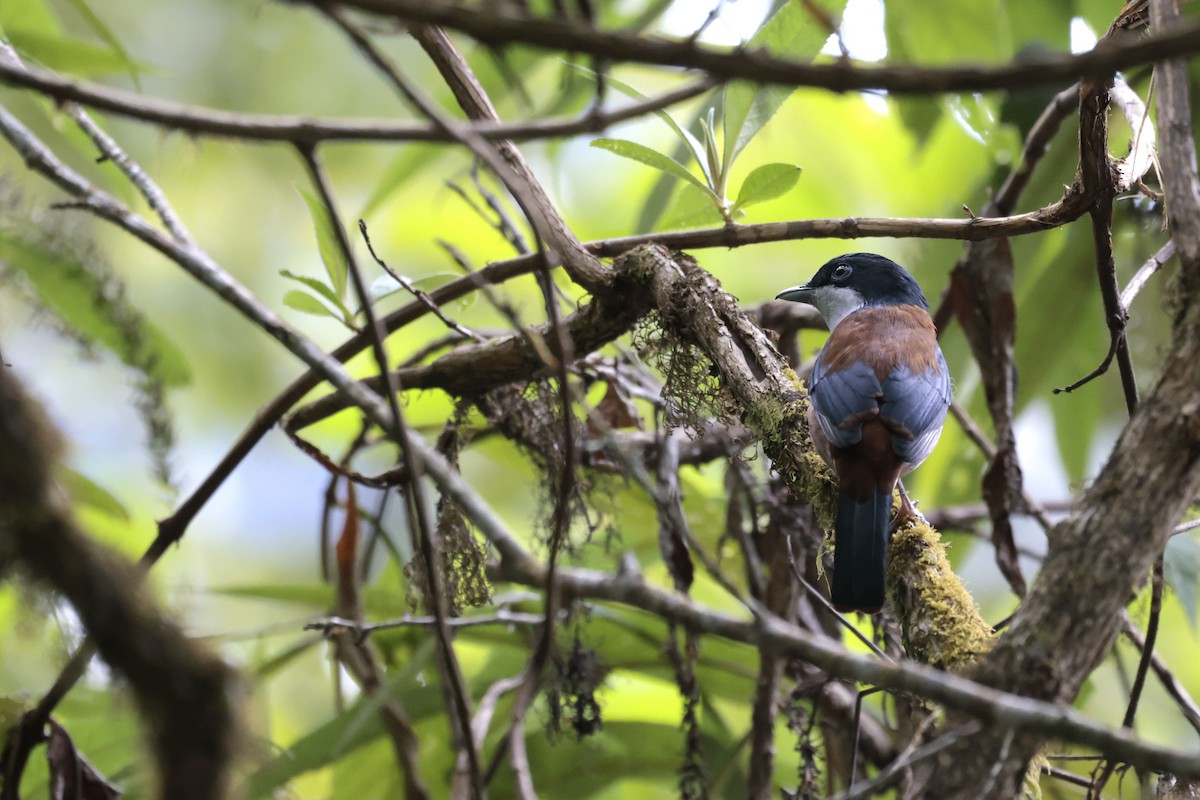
(916,403)
(843,396)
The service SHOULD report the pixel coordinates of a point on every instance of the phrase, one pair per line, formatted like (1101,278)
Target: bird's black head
(847,283)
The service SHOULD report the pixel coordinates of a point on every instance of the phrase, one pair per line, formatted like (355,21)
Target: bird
(879,392)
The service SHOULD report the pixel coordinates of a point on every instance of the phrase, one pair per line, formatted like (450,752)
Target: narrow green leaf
(277,662)
(320,288)
(66,54)
(28,15)
(651,158)
(685,136)
(327,242)
(718,169)
(306,303)
(791,32)
(411,160)
(1181,570)
(86,492)
(692,208)
(101,29)
(356,726)
(315,597)
(766,182)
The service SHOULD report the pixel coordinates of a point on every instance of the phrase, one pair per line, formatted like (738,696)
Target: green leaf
(306,303)
(327,242)
(691,142)
(1181,570)
(692,208)
(652,158)
(315,597)
(312,595)
(353,728)
(766,182)
(791,32)
(82,299)
(28,15)
(946,31)
(66,54)
(320,288)
(101,29)
(86,492)
(411,160)
(281,659)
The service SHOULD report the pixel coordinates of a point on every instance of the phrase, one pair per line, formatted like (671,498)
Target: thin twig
(1144,663)
(297,130)
(1145,272)
(416,291)
(502,616)
(426,538)
(906,759)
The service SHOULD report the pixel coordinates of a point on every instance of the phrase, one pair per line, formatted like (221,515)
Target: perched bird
(879,393)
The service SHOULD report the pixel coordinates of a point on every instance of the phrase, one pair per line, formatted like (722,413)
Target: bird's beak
(797,294)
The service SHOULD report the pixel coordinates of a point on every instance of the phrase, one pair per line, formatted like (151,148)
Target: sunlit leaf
(409,163)
(791,32)
(766,182)
(649,157)
(1181,570)
(685,136)
(351,729)
(327,242)
(692,208)
(102,29)
(28,15)
(320,288)
(306,303)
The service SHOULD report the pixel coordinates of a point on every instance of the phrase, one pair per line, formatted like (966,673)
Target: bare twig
(1144,663)
(910,756)
(426,536)
(299,130)
(416,291)
(502,616)
(1145,272)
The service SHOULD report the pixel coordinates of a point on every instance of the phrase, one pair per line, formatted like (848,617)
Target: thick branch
(760,66)
(1003,711)
(183,690)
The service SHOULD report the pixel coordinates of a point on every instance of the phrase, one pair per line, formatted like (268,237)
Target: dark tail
(860,552)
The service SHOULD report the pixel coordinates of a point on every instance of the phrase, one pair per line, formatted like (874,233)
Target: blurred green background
(247,575)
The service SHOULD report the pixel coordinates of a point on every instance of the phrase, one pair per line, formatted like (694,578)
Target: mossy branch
(941,624)
(183,691)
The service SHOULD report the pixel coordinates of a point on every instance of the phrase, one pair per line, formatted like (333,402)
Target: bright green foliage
(247,574)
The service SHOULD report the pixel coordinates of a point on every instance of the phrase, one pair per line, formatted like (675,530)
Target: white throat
(836,303)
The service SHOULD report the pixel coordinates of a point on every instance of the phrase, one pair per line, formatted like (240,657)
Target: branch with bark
(720,377)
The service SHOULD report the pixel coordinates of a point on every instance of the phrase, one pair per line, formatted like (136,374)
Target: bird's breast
(884,338)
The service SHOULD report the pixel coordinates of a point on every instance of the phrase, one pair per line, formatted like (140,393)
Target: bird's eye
(842,271)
